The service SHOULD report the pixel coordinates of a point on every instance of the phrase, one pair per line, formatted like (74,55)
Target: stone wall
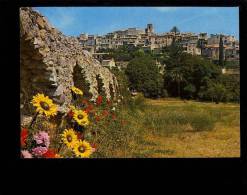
(48,61)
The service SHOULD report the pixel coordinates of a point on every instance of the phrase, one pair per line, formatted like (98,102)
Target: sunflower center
(81,149)
(69,138)
(44,105)
(80,116)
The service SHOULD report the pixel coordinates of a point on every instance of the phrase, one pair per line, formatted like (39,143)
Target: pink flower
(39,151)
(26,154)
(42,138)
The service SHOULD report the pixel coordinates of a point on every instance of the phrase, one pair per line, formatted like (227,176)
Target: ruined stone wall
(48,60)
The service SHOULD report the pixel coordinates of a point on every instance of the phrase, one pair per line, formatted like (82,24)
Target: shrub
(136,103)
(202,121)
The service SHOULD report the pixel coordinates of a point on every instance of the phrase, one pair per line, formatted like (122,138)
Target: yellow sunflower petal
(44,105)
(82,149)
(81,117)
(69,138)
(77,90)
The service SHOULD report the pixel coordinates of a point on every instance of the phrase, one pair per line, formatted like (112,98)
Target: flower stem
(33,119)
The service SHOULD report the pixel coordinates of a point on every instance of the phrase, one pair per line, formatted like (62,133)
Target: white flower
(118,100)
(113,109)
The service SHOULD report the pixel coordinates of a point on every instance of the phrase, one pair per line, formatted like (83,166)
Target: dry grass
(222,141)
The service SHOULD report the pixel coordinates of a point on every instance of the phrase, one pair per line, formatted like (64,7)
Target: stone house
(211,51)
(108,63)
(190,47)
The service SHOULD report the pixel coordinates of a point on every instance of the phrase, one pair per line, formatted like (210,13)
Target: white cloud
(62,18)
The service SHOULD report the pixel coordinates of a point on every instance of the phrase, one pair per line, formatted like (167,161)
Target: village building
(191,47)
(148,40)
(230,45)
(110,63)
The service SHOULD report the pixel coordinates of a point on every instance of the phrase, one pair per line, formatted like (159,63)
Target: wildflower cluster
(75,134)
(35,145)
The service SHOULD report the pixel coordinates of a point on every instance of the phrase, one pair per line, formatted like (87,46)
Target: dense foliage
(144,76)
(185,76)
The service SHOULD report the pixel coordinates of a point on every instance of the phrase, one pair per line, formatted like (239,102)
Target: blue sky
(101,20)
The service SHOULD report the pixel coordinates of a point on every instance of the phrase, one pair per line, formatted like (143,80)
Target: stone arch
(80,81)
(49,59)
(111,90)
(100,85)
(115,88)
(34,77)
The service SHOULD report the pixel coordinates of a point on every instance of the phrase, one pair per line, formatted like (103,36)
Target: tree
(144,76)
(186,70)
(221,52)
(217,92)
(175,30)
(189,90)
(177,76)
(232,85)
(139,53)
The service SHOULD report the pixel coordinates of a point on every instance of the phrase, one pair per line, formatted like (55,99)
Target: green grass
(162,120)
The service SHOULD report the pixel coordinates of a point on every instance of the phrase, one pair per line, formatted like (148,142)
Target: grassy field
(174,128)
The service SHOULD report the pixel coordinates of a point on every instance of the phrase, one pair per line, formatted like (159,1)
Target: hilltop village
(192,43)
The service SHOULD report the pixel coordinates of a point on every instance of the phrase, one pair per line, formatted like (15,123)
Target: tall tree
(175,30)
(221,52)
(177,76)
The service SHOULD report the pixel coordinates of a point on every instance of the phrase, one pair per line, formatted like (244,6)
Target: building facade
(148,40)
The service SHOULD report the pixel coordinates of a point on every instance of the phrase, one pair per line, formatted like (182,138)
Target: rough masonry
(51,63)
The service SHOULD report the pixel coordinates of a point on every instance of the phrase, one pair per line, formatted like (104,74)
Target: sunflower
(69,138)
(77,90)
(82,149)
(81,117)
(44,105)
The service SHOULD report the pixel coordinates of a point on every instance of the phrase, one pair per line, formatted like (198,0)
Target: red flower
(89,108)
(99,100)
(105,113)
(49,154)
(24,134)
(70,114)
